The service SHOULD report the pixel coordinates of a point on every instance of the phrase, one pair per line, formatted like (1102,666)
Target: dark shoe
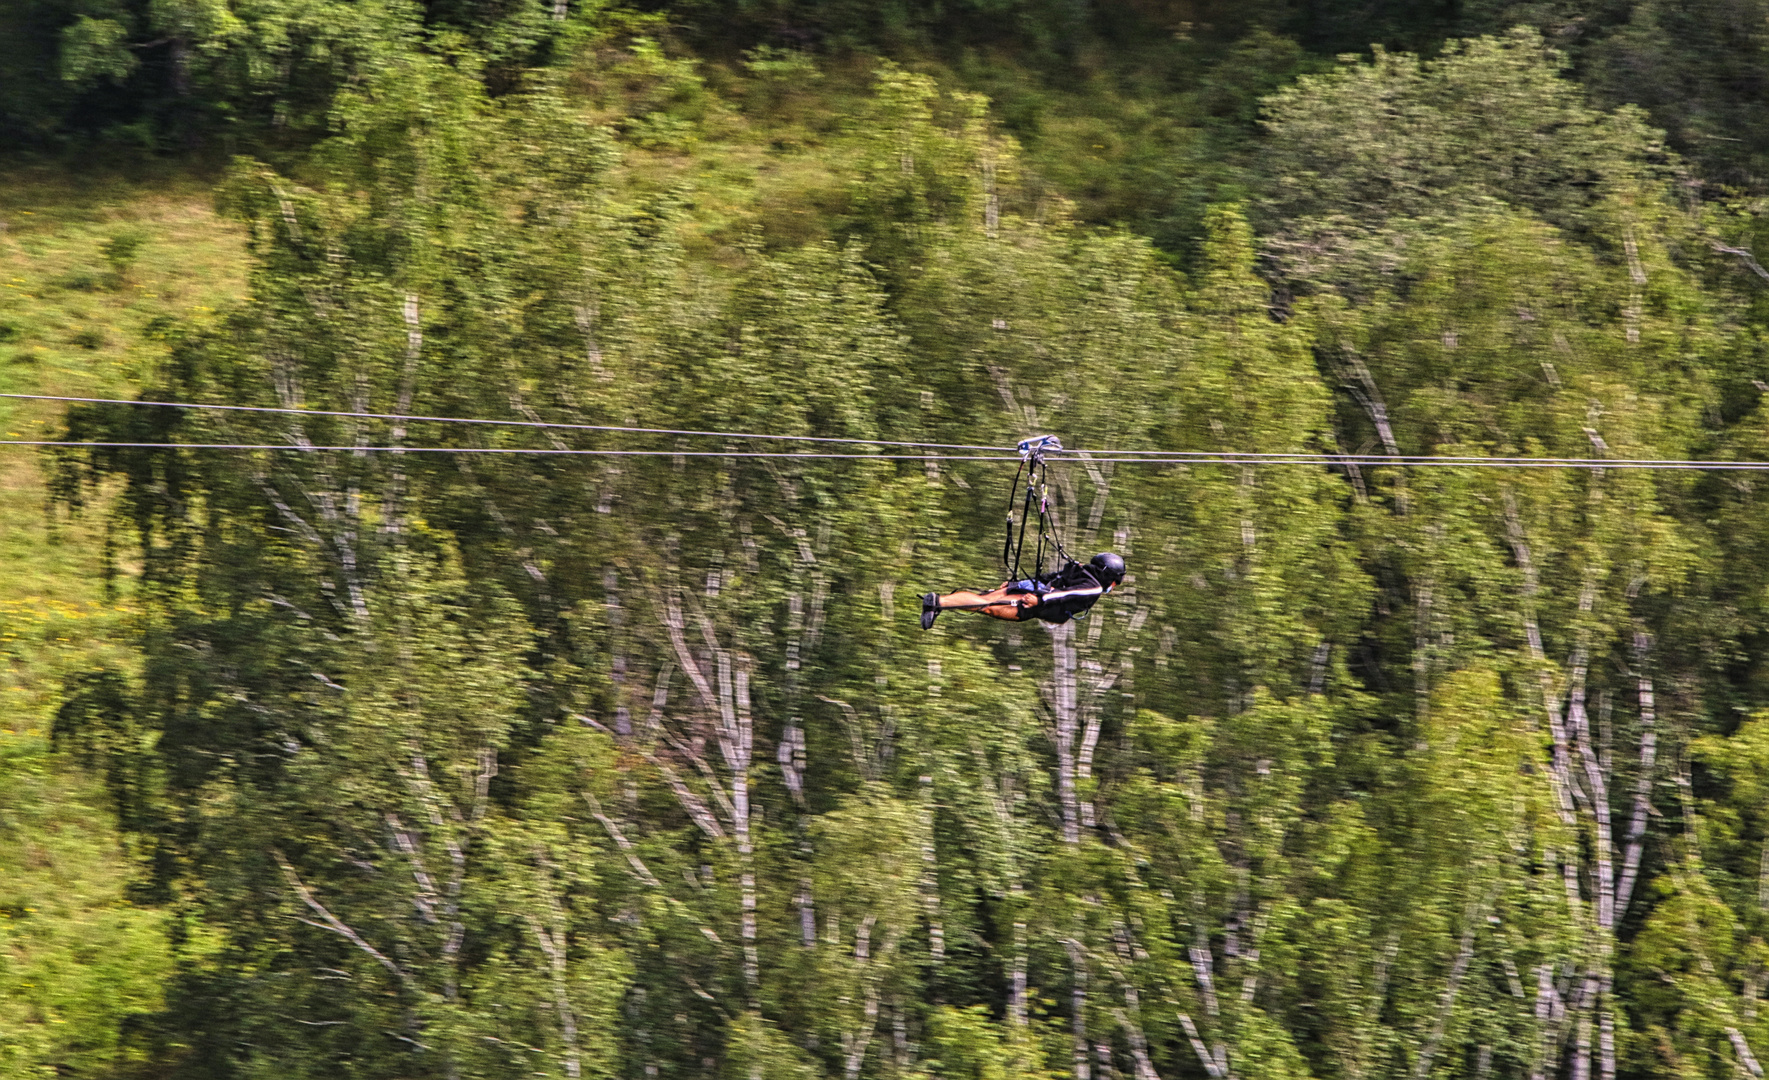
(930,610)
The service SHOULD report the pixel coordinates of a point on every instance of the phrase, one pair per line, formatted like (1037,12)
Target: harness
(1036,472)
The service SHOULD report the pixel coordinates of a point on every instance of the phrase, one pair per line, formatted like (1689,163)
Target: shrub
(120,252)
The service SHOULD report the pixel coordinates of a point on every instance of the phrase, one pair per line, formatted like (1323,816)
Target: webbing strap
(1010,558)
(1037,473)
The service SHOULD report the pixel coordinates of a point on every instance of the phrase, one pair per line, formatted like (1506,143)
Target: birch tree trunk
(1065,713)
(726,708)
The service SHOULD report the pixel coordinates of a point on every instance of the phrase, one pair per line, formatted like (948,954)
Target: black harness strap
(1047,525)
(1010,552)
(1037,473)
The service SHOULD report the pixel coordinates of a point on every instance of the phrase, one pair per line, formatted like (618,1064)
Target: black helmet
(1108,568)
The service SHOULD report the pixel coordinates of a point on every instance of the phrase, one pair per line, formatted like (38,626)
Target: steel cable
(1002,454)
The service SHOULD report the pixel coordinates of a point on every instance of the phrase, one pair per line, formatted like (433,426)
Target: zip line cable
(1003,454)
(592,427)
(531,451)
(1303,458)
(598,427)
(497,423)
(1213,459)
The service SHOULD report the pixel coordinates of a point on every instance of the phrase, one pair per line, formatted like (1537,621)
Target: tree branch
(332,922)
(1214,1070)
(620,841)
(1624,888)
(1750,260)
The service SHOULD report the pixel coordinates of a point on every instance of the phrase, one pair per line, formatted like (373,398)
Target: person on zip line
(1054,597)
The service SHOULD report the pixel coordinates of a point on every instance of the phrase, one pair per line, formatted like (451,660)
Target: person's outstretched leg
(997,604)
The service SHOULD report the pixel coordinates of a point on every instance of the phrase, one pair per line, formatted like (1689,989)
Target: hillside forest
(340,740)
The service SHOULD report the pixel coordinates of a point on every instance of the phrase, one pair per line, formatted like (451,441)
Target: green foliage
(462,764)
(82,966)
(92,49)
(120,251)
(1360,158)
(1713,54)
(78,964)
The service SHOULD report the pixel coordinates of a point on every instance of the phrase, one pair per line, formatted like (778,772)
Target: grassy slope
(75,959)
